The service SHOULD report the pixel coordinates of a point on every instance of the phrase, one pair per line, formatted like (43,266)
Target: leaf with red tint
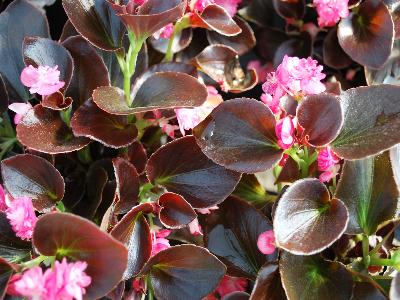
(268,285)
(259,11)
(368,189)
(312,277)
(19,19)
(297,45)
(290,9)
(6,271)
(371,121)
(111,130)
(182,168)
(43,130)
(241,43)
(268,41)
(67,31)
(151,16)
(96,22)
(175,212)
(306,220)
(216,18)
(222,64)
(333,54)
(46,52)
(184,272)
(56,101)
(236,296)
(87,63)
(160,90)
(67,235)
(181,41)
(367,290)
(321,117)
(137,156)
(231,233)
(290,171)
(367,35)
(134,232)
(34,177)
(127,185)
(240,135)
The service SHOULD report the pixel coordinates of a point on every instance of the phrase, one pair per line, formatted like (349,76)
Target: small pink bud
(195,228)
(284,130)
(20,109)
(266,242)
(230,284)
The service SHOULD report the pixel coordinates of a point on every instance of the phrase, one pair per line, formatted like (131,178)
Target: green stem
(34,262)
(376,261)
(150,295)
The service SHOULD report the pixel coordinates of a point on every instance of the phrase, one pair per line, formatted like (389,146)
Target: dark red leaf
(111,130)
(137,156)
(134,232)
(43,130)
(231,233)
(175,212)
(333,54)
(306,220)
(184,272)
(46,52)
(20,19)
(290,171)
(6,271)
(182,168)
(297,45)
(127,185)
(367,291)
(268,41)
(67,31)
(236,296)
(292,9)
(371,121)
(367,34)
(312,277)
(63,234)
(240,135)
(96,22)
(56,101)
(321,117)
(181,41)
(34,177)
(161,90)
(268,285)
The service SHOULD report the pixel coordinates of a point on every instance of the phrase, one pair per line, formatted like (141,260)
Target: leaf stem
(35,262)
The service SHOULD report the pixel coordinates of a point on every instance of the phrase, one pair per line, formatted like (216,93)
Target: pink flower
(165,32)
(3,204)
(262,71)
(21,109)
(330,11)
(43,80)
(160,242)
(167,128)
(207,210)
(272,103)
(138,285)
(200,5)
(231,6)
(21,215)
(328,164)
(31,284)
(266,242)
(284,130)
(195,227)
(230,284)
(188,118)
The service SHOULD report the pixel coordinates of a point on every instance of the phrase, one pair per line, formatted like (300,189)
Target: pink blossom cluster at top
(64,281)
(231,6)
(43,80)
(328,164)
(266,242)
(296,77)
(330,11)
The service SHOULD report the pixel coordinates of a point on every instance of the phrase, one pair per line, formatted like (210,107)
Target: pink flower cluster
(328,164)
(65,281)
(159,240)
(22,217)
(231,6)
(266,242)
(330,11)
(296,77)
(43,80)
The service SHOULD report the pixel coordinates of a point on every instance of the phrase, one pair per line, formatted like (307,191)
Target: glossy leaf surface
(63,234)
(333,54)
(240,135)
(268,285)
(181,41)
(184,272)
(293,9)
(306,220)
(40,181)
(175,212)
(182,168)
(56,101)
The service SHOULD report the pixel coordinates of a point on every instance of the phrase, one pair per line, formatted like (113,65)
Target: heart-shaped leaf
(184,272)
(182,168)
(321,117)
(367,34)
(32,176)
(87,62)
(175,212)
(368,189)
(127,185)
(56,101)
(96,22)
(6,271)
(241,43)
(293,9)
(371,121)
(134,232)
(231,233)
(268,285)
(39,51)
(67,235)
(20,19)
(111,130)
(312,277)
(306,220)
(240,135)
(333,54)
(43,130)
(159,91)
